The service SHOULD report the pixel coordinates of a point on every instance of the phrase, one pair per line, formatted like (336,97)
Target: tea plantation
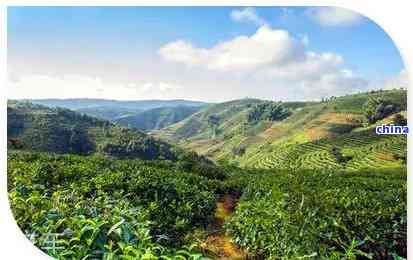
(322,214)
(102,208)
(245,179)
(109,209)
(364,150)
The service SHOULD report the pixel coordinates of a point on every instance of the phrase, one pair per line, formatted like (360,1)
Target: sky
(211,54)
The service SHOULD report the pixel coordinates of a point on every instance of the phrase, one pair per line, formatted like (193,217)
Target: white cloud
(399,81)
(318,75)
(305,40)
(160,86)
(334,16)
(76,86)
(337,83)
(272,56)
(247,14)
(265,47)
(313,67)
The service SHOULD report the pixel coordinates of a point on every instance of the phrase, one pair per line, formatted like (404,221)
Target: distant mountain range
(83,103)
(141,114)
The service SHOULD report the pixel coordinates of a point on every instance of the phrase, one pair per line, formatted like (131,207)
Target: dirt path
(217,244)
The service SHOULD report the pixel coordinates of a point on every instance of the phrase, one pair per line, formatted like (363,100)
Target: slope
(156,118)
(264,143)
(108,112)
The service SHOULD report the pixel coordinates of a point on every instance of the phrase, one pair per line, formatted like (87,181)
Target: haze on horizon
(210,54)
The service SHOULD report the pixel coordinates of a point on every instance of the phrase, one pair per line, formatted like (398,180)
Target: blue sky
(203,53)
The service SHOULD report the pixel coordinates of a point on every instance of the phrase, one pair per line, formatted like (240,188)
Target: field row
(361,150)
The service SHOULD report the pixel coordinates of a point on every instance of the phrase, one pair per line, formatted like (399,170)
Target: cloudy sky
(203,53)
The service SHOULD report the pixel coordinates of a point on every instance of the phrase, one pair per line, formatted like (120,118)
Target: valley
(243,179)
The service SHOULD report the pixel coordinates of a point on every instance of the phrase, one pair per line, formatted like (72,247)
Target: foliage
(272,111)
(107,208)
(336,152)
(360,150)
(213,122)
(308,122)
(321,214)
(340,194)
(110,113)
(377,108)
(60,130)
(157,118)
(239,150)
(127,144)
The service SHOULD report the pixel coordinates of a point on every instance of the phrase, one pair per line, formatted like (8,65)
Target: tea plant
(322,214)
(93,207)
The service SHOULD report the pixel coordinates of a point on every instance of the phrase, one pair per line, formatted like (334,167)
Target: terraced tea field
(364,150)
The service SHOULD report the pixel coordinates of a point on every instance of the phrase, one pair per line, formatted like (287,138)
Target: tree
(79,141)
(377,108)
(239,150)
(213,122)
(272,111)
(336,152)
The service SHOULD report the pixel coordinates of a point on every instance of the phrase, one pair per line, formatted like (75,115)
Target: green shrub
(330,215)
(272,111)
(102,207)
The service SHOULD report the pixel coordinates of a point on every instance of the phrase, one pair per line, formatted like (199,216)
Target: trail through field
(217,244)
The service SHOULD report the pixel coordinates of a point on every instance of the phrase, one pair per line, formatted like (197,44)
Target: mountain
(140,114)
(108,113)
(156,118)
(39,128)
(83,103)
(311,135)
(294,180)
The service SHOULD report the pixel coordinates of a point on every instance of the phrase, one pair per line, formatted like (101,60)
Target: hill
(309,133)
(141,114)
(38,128)
(82,103)
(315,182)
(59,130)
(108,113)
(156,118)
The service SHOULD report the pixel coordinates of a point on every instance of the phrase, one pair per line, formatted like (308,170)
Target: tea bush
(107,208)
(322,214)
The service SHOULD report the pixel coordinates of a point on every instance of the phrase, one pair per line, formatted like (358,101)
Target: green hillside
(108,113)
(141,114)
(57,130)
(303,139)
(156,118)
(293,180)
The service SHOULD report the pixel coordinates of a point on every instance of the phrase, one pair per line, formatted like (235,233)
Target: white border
(393,16)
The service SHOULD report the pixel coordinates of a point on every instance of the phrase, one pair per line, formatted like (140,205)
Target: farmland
(110,208)
(245,179)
